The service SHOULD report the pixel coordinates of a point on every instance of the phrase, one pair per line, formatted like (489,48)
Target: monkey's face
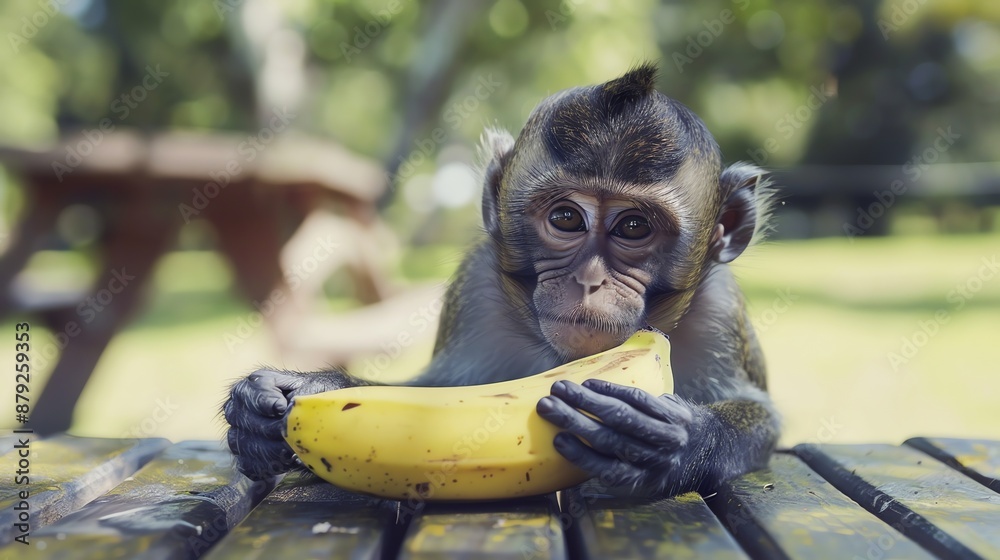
(599,254)
(607,209)
(590,289)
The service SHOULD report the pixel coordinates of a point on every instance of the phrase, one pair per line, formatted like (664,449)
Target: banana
(458,443)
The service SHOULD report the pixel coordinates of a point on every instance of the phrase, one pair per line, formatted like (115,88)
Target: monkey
(609,212)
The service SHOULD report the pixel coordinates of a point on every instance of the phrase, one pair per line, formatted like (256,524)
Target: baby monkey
(609,212)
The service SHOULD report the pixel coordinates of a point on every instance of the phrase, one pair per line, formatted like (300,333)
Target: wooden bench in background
(110,498)
(264,207)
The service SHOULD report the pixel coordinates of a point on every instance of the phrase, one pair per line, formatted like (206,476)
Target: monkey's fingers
(263,392)
(666,407)
(251,422)
(611,471)
(259,458)
(622,415)
(601,438)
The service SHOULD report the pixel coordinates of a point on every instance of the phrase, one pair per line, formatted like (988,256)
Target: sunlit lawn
(845,308)
(829,354)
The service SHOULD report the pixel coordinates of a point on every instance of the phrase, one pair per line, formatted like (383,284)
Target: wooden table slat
(67,472)
(517,529)
(305,517)
(177,506)
(944,511)
(979,459)
(600,526)
(789,511)
(929,497)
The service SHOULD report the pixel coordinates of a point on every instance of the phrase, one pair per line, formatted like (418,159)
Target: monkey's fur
(610,211)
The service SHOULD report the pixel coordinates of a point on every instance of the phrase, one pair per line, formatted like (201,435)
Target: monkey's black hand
(255,411)
(654,444)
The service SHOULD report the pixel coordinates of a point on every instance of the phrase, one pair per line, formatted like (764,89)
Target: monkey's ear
(494,152)
(743,213)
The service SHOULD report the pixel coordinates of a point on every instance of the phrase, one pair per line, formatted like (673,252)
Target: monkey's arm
(255,408)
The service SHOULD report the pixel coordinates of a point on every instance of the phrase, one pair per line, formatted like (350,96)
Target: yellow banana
(458,443)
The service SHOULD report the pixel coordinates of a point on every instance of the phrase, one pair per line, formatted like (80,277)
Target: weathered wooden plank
(523,529)
(305,517)
(67,472)
(600,526)
(979,459)
(789,511)
(177,506)
(944,511)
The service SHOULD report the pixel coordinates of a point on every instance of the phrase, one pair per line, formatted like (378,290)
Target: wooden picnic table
(253,191)
(117,498)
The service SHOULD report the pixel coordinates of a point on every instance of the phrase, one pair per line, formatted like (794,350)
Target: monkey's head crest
(635,84)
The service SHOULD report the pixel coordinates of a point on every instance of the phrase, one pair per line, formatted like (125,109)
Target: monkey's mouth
(575,337)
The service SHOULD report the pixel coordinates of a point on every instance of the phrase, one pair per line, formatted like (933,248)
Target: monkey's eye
(566,218)
(632,227)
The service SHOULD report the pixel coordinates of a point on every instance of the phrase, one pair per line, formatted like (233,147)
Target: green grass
(852,305)
(829,354)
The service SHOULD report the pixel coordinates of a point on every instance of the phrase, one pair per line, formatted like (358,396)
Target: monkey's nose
(591,276)
(592,289)
(590,284)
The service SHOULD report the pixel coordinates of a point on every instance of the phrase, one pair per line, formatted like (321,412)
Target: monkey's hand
(255,411)
(656,446)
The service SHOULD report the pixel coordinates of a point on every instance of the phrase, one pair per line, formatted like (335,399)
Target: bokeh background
(877,298)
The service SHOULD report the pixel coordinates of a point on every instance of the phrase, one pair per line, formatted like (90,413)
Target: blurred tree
(404,81)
